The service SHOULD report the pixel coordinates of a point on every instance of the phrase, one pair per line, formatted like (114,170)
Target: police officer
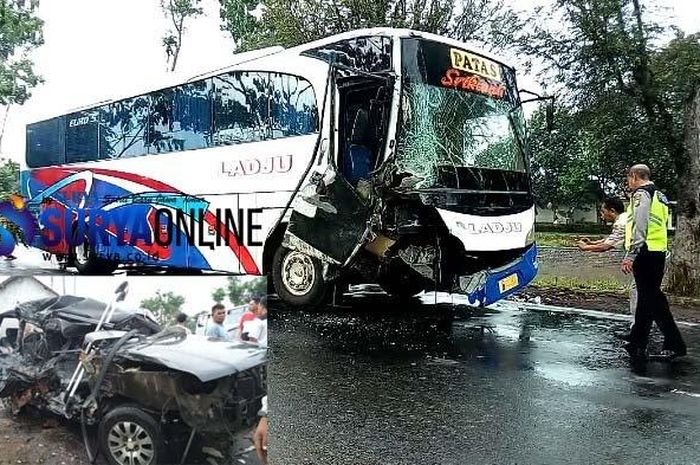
(646,243)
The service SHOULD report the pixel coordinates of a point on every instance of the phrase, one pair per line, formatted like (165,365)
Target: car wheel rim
(298,273)
(130,444)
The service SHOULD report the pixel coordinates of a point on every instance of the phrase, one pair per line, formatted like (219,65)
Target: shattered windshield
(459,112)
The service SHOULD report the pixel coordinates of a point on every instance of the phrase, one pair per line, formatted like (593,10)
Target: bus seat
(357,160)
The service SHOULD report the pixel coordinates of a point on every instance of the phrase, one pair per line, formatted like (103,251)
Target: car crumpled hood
(199,355)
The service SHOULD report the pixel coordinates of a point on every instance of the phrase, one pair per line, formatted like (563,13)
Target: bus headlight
(530,238)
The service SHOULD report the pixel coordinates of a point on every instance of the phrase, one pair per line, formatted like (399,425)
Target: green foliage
(218,295)
(548,239)
(177,11)
(9,178)
(165,306)
(621,96)
(240,290)
(578,284)
(20,33)
(562,165)
(292,22)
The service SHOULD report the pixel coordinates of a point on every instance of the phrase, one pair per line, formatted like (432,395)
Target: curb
(589,313)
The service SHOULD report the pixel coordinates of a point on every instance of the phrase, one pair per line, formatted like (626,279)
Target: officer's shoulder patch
(637,199)
(662,197)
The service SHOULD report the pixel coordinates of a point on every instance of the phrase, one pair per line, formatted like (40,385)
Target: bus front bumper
(490,286)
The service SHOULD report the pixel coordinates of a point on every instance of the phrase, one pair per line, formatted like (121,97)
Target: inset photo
(132,371)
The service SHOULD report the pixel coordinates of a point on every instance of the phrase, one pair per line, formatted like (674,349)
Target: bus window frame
(62,120)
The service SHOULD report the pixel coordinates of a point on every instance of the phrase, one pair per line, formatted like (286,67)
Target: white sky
(195,289)
(99,49)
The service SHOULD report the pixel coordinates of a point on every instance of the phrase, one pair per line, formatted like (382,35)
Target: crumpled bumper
(487,287)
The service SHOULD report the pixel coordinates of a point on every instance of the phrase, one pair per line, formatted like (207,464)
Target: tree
(165,306)
(218,295)
(292,22)
(9,178)
(684,272)
(178,12)
(625,93)
(20,33)
(562,165)
(241,289)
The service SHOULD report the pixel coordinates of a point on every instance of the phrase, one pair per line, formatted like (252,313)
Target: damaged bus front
(426,186)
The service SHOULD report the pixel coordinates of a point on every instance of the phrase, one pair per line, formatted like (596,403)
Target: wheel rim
(82,253)
(130,444)
(298,273)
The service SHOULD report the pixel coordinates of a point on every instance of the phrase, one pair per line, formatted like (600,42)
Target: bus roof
(397,33)
(283,57)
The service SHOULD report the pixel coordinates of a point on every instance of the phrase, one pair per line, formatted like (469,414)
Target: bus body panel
(252,181)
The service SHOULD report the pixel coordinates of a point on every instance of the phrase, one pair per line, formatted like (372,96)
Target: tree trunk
(684,270)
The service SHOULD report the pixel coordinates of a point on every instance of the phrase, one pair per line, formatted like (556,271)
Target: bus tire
(298,278)
(86,261)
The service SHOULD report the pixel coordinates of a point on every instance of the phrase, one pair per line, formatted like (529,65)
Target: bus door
(330,217)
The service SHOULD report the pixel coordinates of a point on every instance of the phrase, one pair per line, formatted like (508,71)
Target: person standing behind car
(180,322)
(215,327)
(249,314)
(255,330)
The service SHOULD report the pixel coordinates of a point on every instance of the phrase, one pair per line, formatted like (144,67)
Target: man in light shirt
(612,210)
(255,330)
(215,328)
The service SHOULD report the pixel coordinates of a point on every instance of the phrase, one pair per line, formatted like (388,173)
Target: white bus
(378,155)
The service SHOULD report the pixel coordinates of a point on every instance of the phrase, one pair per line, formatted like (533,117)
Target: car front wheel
(129,436)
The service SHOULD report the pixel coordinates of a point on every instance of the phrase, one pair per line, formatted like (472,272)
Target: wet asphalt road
(382,383)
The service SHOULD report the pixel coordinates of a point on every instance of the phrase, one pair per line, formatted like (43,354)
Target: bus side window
(294,109)
(241,108)
(123,128)
(180,118)
(81,136)
(44,146)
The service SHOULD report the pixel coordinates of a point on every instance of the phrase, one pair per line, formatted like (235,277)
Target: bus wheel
(298,278)
(87,262)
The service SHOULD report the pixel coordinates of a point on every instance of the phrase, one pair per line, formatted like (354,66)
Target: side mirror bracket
(549,109)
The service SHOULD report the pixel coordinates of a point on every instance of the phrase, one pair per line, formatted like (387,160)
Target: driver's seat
(357,160)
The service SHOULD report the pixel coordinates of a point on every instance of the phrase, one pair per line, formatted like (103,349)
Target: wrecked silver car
(148,393)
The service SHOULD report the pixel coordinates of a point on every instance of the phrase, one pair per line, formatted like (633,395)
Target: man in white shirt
(255,330)
(612,210)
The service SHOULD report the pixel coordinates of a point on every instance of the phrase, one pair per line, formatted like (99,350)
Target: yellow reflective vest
(657,234)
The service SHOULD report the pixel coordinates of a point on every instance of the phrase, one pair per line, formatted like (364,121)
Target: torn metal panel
(420,258)
(329,220)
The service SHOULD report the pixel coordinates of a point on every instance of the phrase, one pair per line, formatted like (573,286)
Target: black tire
(86,261)
(311,294)
(125,421)
(401,282)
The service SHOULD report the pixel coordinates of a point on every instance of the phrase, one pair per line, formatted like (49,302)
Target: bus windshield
(459,112)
